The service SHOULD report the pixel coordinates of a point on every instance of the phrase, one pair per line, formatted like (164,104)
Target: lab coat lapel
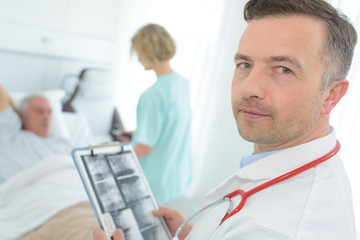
(274,165)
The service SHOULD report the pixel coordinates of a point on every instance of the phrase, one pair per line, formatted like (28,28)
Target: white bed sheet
(30,198)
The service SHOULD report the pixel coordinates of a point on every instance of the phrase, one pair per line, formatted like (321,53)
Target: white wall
(42,40)
(219,147)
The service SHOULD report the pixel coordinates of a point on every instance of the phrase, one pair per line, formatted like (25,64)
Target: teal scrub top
(163,122)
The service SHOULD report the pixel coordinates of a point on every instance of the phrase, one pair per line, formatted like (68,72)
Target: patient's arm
(5,100)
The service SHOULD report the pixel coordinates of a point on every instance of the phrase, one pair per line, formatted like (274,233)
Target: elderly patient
(22,148)
(26,145)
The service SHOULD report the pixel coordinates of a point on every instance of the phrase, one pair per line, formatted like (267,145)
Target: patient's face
(38,117)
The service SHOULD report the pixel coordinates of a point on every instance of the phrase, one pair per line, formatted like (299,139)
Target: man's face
(38,117)
(276,96)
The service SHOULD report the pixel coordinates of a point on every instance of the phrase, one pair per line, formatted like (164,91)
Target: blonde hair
(154,42)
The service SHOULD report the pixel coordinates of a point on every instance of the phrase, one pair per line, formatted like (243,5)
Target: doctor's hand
(99,234)
(173,219)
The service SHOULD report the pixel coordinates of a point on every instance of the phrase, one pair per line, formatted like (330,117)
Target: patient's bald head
(35,114)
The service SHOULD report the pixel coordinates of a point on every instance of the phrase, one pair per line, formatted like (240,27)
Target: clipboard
(119,192)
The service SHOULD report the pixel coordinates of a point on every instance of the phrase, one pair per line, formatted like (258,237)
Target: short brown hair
(154,42)
(341,35)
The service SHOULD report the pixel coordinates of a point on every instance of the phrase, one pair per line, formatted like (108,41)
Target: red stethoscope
(244,195)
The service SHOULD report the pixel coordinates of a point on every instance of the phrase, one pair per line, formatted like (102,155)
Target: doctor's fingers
(172,217)
(118,235)
(168,213)
(99,234)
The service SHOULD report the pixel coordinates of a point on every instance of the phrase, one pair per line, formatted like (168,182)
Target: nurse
(162,138)
(290,70)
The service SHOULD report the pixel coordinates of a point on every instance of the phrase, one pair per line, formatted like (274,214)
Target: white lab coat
(316,204)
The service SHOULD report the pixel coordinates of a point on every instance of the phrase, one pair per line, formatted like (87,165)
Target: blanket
(31,197)
(73,223)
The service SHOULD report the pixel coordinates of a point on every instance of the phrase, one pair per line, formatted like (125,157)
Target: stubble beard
(274,131)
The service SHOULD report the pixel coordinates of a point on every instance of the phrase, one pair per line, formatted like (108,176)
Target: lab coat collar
(289,159)
(278,163)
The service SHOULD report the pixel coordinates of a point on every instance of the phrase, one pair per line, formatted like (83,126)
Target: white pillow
(58,127)
(78,126)
(95,84)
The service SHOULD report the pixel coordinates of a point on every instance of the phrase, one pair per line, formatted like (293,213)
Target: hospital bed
(89,93)
(31,197)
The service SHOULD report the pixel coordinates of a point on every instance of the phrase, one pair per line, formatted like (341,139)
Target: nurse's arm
(142,150)
(173,219)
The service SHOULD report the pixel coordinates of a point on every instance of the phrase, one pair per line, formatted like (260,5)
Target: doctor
(290,70)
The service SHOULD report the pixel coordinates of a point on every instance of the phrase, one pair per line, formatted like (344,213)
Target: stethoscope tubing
(196,214)
(245,195)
